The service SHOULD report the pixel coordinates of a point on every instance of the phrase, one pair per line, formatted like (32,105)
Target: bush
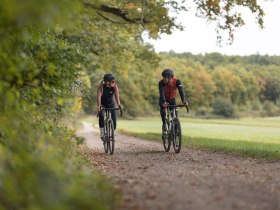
(256,105)
(41,168)
(223,107)
(203,112)
(270,109)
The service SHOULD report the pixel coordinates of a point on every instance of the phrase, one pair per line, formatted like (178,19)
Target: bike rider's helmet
(109,77)
(167,73)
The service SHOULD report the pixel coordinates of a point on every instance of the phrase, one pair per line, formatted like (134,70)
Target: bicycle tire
(166,141)
(176,135)
(111,136)
(105,141)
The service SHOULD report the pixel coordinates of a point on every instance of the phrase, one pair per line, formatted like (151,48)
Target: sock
(101,132)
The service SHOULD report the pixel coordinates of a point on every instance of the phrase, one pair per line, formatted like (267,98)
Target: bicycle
(109,136)
(173,130)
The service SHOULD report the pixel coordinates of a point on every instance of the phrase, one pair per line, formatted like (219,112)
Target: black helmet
(109,77)
(167,73)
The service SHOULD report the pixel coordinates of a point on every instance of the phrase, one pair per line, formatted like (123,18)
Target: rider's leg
(101,124)
(173,103)
(163,114)
(114,118)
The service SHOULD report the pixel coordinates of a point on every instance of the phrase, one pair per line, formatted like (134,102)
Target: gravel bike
(172,131)
(109,131)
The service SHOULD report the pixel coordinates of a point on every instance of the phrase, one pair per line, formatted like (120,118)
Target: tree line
(221,84)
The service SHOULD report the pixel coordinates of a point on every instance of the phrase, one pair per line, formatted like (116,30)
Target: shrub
(256,105)
(203,111)
(223,107)
(270,109)
(41,168)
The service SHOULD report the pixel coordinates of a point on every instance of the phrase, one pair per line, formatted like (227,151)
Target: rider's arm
(181,91)
(161,92)
(99,94)
(117,96)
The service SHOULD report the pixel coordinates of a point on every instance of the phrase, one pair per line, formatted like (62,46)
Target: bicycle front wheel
(105,140)
(176,135)
(111,136)
(165,140)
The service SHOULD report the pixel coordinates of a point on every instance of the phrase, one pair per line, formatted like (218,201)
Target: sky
(199,37)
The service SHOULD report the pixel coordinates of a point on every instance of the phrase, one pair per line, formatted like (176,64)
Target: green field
(254,137)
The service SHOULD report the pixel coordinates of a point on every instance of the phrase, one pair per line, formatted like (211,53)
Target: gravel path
(152,179)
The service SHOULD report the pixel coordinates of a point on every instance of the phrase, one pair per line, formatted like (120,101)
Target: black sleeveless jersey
(107,98)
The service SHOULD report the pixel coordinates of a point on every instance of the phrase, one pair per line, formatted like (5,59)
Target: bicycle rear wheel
(166,140)
(111,136)
(176,135)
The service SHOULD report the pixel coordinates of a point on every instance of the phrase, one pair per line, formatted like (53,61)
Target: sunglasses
(112,82)
(166,78)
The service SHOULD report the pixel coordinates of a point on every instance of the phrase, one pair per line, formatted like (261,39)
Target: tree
(223,107)
(251,88)
(154,16)
(229,86)
(40,75)
(204,89)
(272,90)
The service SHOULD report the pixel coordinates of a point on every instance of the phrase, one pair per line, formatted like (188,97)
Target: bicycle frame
(170,115)
(107,116)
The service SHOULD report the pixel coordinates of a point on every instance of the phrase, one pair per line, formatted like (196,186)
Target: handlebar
(103,108)
(179,105)
(109,109)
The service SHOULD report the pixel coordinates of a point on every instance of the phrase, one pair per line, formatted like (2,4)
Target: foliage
(270,109)
(41,76)
(154,15)
(43,170)
(272,89)
(223,107)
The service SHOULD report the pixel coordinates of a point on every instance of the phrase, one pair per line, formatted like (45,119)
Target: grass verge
(258,150)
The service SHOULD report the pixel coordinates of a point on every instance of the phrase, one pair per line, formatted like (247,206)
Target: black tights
(113,115)
(163,111)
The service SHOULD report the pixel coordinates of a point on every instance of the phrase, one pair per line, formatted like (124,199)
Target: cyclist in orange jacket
(167,91)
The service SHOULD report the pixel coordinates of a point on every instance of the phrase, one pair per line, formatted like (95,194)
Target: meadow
(253,137)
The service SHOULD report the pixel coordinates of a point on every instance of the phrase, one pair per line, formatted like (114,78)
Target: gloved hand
(98,108)
(165,104)
(121,109)
(187,105)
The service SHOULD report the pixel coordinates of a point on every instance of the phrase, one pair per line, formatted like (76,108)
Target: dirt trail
(152,179)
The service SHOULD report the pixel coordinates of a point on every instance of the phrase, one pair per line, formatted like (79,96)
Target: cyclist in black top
(105,97)
(167,91)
